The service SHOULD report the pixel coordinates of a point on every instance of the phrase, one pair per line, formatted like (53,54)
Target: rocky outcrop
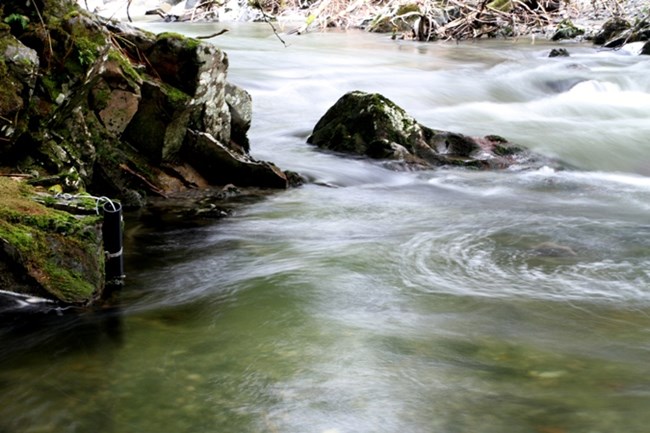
(370,124)
(88,104)
(113,108)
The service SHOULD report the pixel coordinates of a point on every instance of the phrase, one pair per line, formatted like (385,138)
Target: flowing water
(377,301)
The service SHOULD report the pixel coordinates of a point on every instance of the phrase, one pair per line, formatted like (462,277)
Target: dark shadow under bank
(31,330)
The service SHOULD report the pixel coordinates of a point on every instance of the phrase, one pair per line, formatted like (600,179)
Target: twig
(213,35)
(47,33)
(128,14)
(266,19)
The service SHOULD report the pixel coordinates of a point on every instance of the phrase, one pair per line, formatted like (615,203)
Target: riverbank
(423,20)
(92,107)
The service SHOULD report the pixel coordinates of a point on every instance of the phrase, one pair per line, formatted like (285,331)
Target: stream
(377,301)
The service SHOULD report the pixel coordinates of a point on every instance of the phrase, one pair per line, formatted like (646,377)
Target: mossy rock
(567,30)
(366,124)
(49,253)
(369,124)
(611,30)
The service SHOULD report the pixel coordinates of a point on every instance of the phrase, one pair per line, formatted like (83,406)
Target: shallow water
(439,301)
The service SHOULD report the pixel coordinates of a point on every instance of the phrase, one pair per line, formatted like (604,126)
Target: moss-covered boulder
(47,252)
(370,124)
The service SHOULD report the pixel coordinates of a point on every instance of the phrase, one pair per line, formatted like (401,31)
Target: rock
(191,95)
(221,165)
(47,252)
(240,105)
(566,30)
(552,249)
(372,125)
(119,110)
(610,31)
(646,49)
(159,126)
(115,111)
(114,91)
(617,32)
(559,52)
(239,10)
(198,70)
(18,73)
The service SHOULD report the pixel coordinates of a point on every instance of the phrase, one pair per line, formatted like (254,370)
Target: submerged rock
(370,124)
(559,52)
(552,249)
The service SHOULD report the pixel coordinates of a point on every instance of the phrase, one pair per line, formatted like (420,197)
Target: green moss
(177,97)
(101,94)
(7,95)
(72,14)
(567,30)
(407,8)
(87,51)
(126,65)
(51,86)
(58,249)
(500,5)
(190,43)
(17,19)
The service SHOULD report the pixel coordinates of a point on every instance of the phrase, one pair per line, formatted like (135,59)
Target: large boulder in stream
(370,124)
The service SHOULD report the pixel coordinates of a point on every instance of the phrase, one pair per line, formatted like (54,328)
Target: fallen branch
(213,35)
